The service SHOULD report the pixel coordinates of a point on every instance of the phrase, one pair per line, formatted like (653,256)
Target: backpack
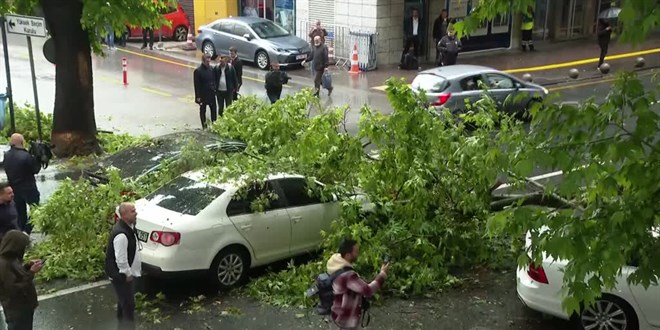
(41,152)
(323,288)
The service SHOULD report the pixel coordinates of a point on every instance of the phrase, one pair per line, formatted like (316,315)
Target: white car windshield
(268,29)
(185,196)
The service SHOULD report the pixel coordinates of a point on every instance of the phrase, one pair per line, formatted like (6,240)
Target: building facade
(554,20)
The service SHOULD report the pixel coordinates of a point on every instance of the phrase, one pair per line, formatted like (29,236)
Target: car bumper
(540,297)
(290,59)
(155,271)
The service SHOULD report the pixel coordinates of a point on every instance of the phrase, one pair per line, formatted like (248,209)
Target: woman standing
(604,34)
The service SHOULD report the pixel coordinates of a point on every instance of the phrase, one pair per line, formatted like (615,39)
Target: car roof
(242,19)
(458,70)
(199,175)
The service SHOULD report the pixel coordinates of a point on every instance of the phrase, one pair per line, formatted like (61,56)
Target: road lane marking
(112,80)
(566,64)
(72,290)
(155,58)
(154,91)
(589,83)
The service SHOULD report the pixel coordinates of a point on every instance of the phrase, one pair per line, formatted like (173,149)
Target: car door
(222,36)
(168,13)
(242,44)
(471,90)
(309,215)
(646,299)
(267,232)
(504,91)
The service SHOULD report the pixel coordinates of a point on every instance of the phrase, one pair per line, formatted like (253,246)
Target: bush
(26,123)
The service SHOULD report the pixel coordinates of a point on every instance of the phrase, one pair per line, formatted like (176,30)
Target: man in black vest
(20,168)
(123,264)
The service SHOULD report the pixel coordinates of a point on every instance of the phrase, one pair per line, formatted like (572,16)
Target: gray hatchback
(450,86)
(257,40)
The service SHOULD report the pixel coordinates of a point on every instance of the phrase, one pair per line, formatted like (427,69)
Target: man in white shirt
(413,29)
(123,263)
(227,84)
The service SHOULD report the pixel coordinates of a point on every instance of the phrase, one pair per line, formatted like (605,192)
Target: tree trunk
(74,125)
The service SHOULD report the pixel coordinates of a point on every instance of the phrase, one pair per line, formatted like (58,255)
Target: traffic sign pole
(10,97)
(34,87)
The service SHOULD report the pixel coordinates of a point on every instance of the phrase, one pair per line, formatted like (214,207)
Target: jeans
(202,112)
(22,199)
(23,321)
(224,99)
(110,38)
(125,292)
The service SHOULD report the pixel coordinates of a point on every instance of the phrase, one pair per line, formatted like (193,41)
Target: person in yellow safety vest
(527,29)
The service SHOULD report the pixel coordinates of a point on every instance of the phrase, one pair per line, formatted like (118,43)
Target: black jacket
(20,168)
(440,28)
(238,67)
(408,27)
(274,81)
(8,218)
(604,34)
(229,76)
(319,57)
(111,268)
(17,291)
(205,82)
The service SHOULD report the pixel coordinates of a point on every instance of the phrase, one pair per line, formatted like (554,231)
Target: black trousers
(273,96)
(411,41)
(202,112)
(22,199)
(527,40)
(224,99)
(150,33)
(22,321)
(603,53)
(438,54)
(125,292)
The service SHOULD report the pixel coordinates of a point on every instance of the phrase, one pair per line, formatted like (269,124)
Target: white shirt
(120,243)
(415,26)
(222,84)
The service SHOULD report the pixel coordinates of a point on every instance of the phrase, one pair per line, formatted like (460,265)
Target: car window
(268,29)
(185,196)
(240,30)
(472,83)
(498,81)
(430,83)
(297,192)
(256,193)
(227,27)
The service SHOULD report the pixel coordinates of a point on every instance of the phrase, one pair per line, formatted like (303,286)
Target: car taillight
(442,99)
(537,273)
(167,238)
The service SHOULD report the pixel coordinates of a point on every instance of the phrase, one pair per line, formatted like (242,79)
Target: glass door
(572,19)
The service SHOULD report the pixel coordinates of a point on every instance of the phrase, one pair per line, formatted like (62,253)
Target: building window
(281,12)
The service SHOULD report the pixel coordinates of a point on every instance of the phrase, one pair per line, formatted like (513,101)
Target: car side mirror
(247,36)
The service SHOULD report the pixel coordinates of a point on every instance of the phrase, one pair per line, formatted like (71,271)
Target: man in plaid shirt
(349,288)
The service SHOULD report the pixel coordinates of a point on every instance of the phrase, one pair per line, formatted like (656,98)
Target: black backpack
(323,288)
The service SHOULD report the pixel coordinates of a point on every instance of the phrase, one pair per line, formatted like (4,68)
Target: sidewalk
(541,63)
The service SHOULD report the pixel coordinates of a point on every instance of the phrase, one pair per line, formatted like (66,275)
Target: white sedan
(626,307)
(192,226)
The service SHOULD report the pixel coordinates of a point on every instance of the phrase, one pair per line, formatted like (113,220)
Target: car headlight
(545,90)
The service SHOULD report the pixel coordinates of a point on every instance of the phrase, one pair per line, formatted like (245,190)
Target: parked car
(449,86)
(257,40)
(146,158)
(626,307)
(178,30)
(189,226)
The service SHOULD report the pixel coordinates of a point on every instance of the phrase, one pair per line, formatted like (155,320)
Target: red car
(177,31)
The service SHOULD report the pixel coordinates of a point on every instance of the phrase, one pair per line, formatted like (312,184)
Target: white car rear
(627,307)
(188,226)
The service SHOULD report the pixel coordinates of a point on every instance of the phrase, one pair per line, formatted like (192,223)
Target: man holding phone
(350,290)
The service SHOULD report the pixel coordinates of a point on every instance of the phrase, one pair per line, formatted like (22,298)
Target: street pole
(34,87)
(160,39)
(10,97)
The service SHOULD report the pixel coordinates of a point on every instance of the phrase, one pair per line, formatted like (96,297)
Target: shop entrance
(571,24)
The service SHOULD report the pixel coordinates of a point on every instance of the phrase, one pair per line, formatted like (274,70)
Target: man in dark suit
(413,27)
(237,64)
(205,86)
(226,84)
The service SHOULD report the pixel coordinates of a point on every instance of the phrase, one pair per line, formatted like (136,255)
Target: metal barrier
(342,39)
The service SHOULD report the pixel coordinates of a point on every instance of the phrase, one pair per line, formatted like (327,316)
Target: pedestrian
(350,291)
(8,214)
(604,36)
(18,294)
(123,264)
(237,64)
(318,31)
(110,37)
(440,27)
(226,83)
(148,37)
(205,82)
(275,80)
(527,29)
(319,59)
(21,167)
(449,46)
(412,30)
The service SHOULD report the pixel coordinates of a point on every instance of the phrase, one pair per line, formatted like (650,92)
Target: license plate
(301,57)
(142,235)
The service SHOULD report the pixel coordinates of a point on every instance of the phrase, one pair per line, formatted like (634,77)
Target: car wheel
(180,33)
(608,312)
(262,60)
(208,48)
(230,267)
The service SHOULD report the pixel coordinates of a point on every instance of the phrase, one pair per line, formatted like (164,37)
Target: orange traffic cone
(354,60)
